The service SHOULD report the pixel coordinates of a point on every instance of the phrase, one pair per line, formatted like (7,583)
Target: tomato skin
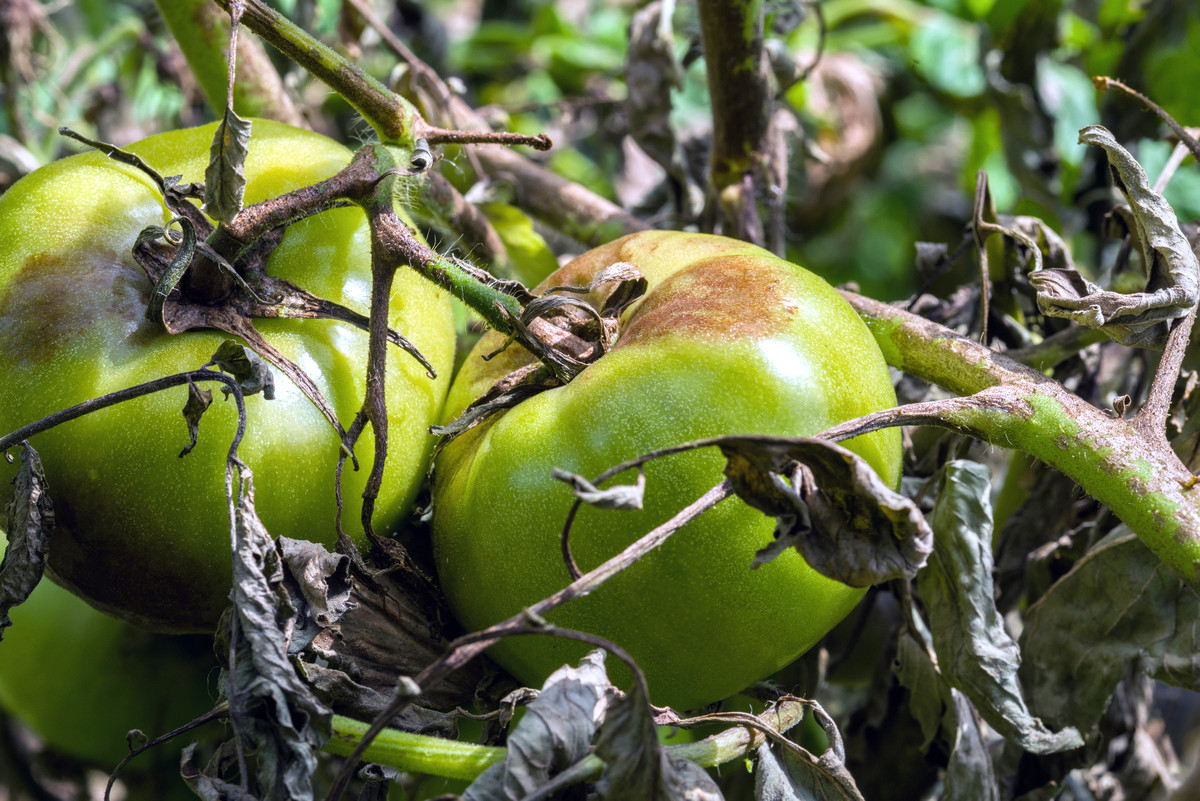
(143,533)
(728,339)
(82,679)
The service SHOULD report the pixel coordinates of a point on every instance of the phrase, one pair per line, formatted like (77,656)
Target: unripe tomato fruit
(143,533)
(727,340)
(82,679)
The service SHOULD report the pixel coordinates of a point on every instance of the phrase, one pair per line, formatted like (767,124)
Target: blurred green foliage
(962,86)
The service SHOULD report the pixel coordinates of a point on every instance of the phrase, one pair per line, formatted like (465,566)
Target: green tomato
(728,340)
(143,533)
(82,679)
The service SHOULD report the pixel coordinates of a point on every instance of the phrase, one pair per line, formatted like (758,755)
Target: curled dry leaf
(1173,276)
(831,506)
(29,521)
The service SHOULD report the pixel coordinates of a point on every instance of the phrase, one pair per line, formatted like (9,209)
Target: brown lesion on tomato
(51,300)
(731,297)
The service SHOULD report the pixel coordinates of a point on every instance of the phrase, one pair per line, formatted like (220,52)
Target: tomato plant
(142,532)
(727,339)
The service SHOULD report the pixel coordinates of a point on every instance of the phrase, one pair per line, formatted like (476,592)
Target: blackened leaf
(225,178)
(555,732)
(784,774)
(29,521)
(1173,274)
(618,496)
(637,768)
(279,719)
(252,373)
(836,511)
(209,783)
(975,653)
(197,404)
(1118,606)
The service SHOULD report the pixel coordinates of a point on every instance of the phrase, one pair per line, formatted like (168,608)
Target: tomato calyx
(565,332)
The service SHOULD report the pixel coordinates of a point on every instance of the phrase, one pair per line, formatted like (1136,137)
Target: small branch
(1151,419)
(742,99)
(1104,83)
(1013,406)
(113,398)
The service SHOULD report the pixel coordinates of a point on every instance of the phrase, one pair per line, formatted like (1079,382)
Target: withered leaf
(252,373)
(279,719)
(555,733)
(637,768)
(225,177)
(618,496)
(1118,606)
(975,653)
(832,508)
(790,775)
(197,404)
(1173,275)
(29,521)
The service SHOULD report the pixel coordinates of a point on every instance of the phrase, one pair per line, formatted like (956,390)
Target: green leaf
(946,52)
(1069,97)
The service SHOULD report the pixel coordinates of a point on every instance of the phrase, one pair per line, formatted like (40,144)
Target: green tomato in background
(143,533)
(727,340)
(82,680)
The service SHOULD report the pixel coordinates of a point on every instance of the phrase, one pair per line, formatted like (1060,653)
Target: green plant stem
(392,117)
(417,753)
(1010,405)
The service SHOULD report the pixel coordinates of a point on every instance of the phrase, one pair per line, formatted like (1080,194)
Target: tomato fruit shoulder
(143,533)
(727,340)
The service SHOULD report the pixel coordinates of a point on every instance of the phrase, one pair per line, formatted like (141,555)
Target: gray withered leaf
(197,404)
(279,719)
(1119,605)
(225,177)
(975,653)
(636,766)
(618,496)
(29,521)
(319,584)
(210,783)
(252,373)
(833,508)
(1173,274)
(785,774)
(555,733)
